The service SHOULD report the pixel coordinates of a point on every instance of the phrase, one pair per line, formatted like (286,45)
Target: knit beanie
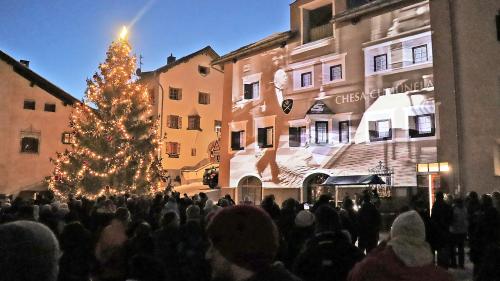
(408,224)
(304,219)
(29,251)
(193,212)
(245,235)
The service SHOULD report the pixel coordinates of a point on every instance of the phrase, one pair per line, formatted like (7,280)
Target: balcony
(320,32)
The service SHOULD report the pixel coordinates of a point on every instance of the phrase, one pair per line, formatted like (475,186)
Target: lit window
(29,145)
(174,121)
(421,126)
(251,90)
(173,149)
(265,137)
(380,62)
(50,107)
(336,72)
(237,140)
(68,138)
(420,54)
(306,79)
(194,122)
(203,98)
(380,130)
(175,94)
(29,104)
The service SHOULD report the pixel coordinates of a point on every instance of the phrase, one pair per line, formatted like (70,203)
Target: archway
(312,188)
(250,188)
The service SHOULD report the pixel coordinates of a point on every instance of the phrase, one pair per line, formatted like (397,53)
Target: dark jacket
(275,272)
(327,256)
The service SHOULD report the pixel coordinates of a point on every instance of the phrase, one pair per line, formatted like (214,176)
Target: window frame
(240,144)
(218,126)
(415,133)
(317,132)
(266,143)
(348,131)
(174,93)
(196,124)
(67,138)
(203,98)
(27,104)
(200,67)
(23,145)
(331,73)
(296,140)
(252,85)
(375,62)
(170,153)
(373,137)
(413,49)
(48,107)
(302,81)
(174,125)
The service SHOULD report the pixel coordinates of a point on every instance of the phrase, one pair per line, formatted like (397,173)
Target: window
(193,151)
(297,136)
(380,62)
(218,126)
(420,54)
(175,94)
(203,70)
(237,140)
(251,91)
(29,145)
(380,130)
(317,23)
(265,137)
(203,98)
(306,79)
(321,132)
(336,72)
(173,149)
(194,122)
(68,138)
(344,132)
(421,126)
(50,107)
(29,104)
(355,3)
(174,121)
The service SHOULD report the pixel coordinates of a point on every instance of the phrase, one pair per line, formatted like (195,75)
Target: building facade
(34,124)
(349,90)
(187,98)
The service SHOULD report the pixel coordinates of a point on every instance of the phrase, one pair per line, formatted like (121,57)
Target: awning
(354,180)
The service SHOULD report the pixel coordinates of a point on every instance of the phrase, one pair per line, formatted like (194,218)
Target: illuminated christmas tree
(115,145)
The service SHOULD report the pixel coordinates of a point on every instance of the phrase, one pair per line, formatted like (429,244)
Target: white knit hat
(409,224)
(304,219)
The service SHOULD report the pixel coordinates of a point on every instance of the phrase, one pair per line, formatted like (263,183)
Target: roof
(207,50)
(38,80)
(270,41)
(354,180)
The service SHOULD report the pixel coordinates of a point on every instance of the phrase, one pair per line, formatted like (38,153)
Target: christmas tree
(114,140)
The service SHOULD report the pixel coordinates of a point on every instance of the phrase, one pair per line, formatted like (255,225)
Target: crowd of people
(181,238)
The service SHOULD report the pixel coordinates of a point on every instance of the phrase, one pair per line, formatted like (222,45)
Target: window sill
(332,82)
(194,129)
(173,155)
(312,45)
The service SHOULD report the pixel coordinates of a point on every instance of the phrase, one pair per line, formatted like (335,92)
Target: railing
(320,32)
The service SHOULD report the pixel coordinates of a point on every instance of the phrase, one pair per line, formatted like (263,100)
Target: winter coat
(369,220)
(275,272)
(441,218)
(459,222)
(327,256)
(382,264)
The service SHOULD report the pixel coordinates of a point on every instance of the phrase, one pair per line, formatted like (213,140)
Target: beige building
(188,100)
(33,126)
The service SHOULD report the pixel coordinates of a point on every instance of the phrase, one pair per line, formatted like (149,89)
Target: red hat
(245,235)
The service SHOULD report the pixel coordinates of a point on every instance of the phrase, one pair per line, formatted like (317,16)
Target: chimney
(170,59)
(25,63)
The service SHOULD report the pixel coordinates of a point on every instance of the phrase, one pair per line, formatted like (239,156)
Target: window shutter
(248,92)
(261,137)
(180,94)
(255,90)
(208,98)
(179,122)
(372,129)
(235,140)
(294,137)
(412,126)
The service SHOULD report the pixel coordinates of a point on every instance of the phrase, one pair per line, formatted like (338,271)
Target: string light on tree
(115,136)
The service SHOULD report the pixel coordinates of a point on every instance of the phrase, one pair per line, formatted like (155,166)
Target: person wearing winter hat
(243,244)
(29,252)
(302,230)
(406,256)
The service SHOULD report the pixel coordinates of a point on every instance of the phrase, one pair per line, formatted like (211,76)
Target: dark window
(265,137)
(193,151)
(237,140)
(174,121)
(336,72)
(306,79)
(380,130)
(420,54)
(380,62)
(203,98)
(29,104)
(50,107)
(194,122)
(318,24)
(356,3)
(175,94)
(173,149)
(321,132)
(251,91)
(217,126)
(297,136)
(68,138)
(29,145)
(203,70)
(421,126)
(344,132)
